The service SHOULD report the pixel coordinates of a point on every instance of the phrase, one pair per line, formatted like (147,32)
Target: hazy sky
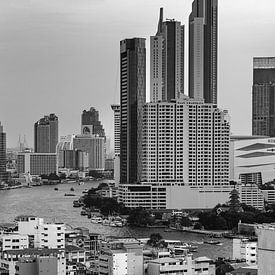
(62,56)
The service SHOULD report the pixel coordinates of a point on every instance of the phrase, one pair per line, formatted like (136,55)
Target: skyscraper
(46,134)
(116,109)
(203,49)
(263,96)
(132,98)
(90,123)
(167,61)
(3,173)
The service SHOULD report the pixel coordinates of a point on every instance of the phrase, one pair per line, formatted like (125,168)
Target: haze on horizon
(62,56)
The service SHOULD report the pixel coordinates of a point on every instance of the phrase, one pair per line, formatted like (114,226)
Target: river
(45,202)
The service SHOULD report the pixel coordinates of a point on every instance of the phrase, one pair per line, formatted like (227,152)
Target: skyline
(46,47)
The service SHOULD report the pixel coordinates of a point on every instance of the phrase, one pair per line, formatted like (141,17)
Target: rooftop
(34,251)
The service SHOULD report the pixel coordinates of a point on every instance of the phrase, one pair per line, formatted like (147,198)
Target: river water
(45,202)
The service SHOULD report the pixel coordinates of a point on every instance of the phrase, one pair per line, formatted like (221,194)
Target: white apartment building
(44,235)
(185,142)
(252,159)
(184,266)
(121,258)
(244,249)
(14,241)
(251,195)
(269,196)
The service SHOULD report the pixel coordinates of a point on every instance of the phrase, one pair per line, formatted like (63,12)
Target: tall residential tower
(203,50)
(132,98)
(3,148)
(167,61)
(46,134)
(263,96)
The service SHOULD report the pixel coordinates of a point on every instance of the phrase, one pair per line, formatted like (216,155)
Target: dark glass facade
(263,96)
(91,118)
(46,134)
(208,11)
(132,99)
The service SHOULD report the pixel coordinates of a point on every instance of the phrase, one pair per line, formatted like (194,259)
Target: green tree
(156,241)
(140,217)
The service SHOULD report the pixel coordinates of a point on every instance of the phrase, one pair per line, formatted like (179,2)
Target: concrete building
(3,152)
(43,235)
(14,242)
(167,61)
(269,196)
(183,138)
(132,98)
(203,50)
(75,254)
(244,249)
(90,123)
(186,266)
(46,134)
(263,91)
(173,197)
(266,250)
(121,257)
(36,164)
(252,159)
(34,262)
(116,109)
(95,147)
(251,195)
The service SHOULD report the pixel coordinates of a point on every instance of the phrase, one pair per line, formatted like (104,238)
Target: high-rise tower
(203,49)
(46,134)
(263,96)
(167,61)
(90,123)
(3,173)
(132,98)
(116,109)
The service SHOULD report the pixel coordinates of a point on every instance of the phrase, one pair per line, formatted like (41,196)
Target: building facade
(167,61)
(90,123)
(116,109)
(46,134)
(3,152)
(95,147)
(263,96)
(132,98)
(203,50)
(183,138)
(36,164)
(245,249)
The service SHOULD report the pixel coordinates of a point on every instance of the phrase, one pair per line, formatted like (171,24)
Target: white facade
(185,143)
(14,242)
(269,196)
(266,250)
(243,249)
(45,235)
(251,195)
(173,197)
(253,159)
(116,109)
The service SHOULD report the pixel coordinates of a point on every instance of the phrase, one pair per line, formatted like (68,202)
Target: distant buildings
(95,147)
(90,123)
(263,94)
(36,163)
(116,109)
(3,152)
(203,50)
(46,134)
(132,98)
(167,61)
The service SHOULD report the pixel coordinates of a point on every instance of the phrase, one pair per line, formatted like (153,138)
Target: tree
(234,200)
(156,241)
(140,217)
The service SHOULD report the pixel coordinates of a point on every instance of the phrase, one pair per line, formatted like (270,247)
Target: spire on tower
(160,24)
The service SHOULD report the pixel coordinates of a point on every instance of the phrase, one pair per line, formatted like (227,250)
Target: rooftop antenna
(160,24)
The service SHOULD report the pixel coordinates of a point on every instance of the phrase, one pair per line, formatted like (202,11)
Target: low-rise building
(34,261)
(246,250)
(14,242)
(121,257)
(185,266)
(75,254)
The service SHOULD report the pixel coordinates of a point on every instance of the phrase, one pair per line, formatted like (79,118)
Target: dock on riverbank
(214,234)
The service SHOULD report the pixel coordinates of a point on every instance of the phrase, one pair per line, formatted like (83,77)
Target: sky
(62,56)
